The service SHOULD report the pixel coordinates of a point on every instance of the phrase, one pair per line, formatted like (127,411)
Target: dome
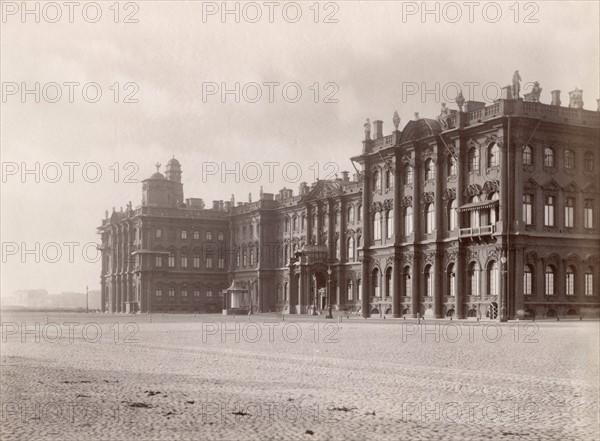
(173,163)
(157,175)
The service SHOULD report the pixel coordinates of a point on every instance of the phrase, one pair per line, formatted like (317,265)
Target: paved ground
(207,377)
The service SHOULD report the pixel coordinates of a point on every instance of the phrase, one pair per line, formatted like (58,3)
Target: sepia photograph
(299,220)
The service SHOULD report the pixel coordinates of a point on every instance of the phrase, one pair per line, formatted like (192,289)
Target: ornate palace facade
(485,211)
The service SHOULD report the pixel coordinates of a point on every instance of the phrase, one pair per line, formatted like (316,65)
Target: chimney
(555,98)
(378,126)
(220,205)
(216,205)
(506,93)
(345,176)
(227,206)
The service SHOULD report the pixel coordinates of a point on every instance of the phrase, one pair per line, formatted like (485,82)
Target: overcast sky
(368,62)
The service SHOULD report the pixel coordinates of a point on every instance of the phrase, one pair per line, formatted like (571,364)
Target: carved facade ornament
(553,259)
(491,138)
(472,190)
(376,207)
(449,194)
(359,230)
(428,197)
(451,256)
(576,99)
(552,185)
(471,143)
(572,259)
(491,186)
(407,160)
(591,188)
(531,184)
(407,201)
(428,154)
(388,204)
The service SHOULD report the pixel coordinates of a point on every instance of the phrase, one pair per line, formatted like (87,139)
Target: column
(397,288)
(416,284)
(367,223)
(461,264)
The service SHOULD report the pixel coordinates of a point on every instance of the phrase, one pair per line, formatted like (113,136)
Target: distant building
(485,211)
(27,298)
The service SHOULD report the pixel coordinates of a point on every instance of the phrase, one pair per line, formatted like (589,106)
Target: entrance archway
(320,289)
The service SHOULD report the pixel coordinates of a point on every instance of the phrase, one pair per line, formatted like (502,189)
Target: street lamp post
(86,300)
(329,314)
(314,310)
(503,296)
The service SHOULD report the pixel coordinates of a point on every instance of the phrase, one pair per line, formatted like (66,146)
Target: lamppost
(503,296)
(314,310)
(86,300)
(329,314)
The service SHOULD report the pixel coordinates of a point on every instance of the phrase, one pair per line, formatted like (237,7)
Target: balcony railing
(486,230)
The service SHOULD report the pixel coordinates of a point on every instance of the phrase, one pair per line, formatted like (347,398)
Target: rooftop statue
(460,100)
(516,85)
(534,95)
(576,99)
(396,120)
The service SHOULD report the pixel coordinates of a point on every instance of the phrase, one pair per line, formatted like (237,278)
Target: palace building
(486,211)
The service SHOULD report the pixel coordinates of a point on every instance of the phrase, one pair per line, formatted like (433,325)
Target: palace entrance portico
(310,273)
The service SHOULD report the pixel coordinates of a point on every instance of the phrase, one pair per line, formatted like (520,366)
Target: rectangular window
(570,283)
(158,261)
(221,263)
(549,203)
(171,292)
(208,235)
(196,235)
(589,284)
(183,293)
(588,214)
(209,263)
(196,293)
(549,283)
(196,261)
(527,283)
(220,235)
(158,293)
(184,261)
(528,209)
(209,293)
(570,212)
(184,234)
(171,260)
(158,233)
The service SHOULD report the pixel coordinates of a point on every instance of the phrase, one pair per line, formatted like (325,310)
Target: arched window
(286,254)
(337,249)
(358,242)
(408,221)
(429,170)
(359,289)
(408,175)
(549,160)
(377,226)
(428,281)
(474,214)
(474,159)
(451,281)
(570,282)
(286,296)
(359,213)
(350,214)
(302,222)
(588,161)
(375,282)
(474,279)
(451,166)
(493,155)
(376,180)
(295,223)
(349,290)
(493,279)
(350,249)
(527,155)
(244,257)
(407,281)
(493,209)
(549,280)
(452,215)
(429,218)
(527,280)
(287,226)
(569,159)
(570,212)
(388,282)
(389,223)
(389,179)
